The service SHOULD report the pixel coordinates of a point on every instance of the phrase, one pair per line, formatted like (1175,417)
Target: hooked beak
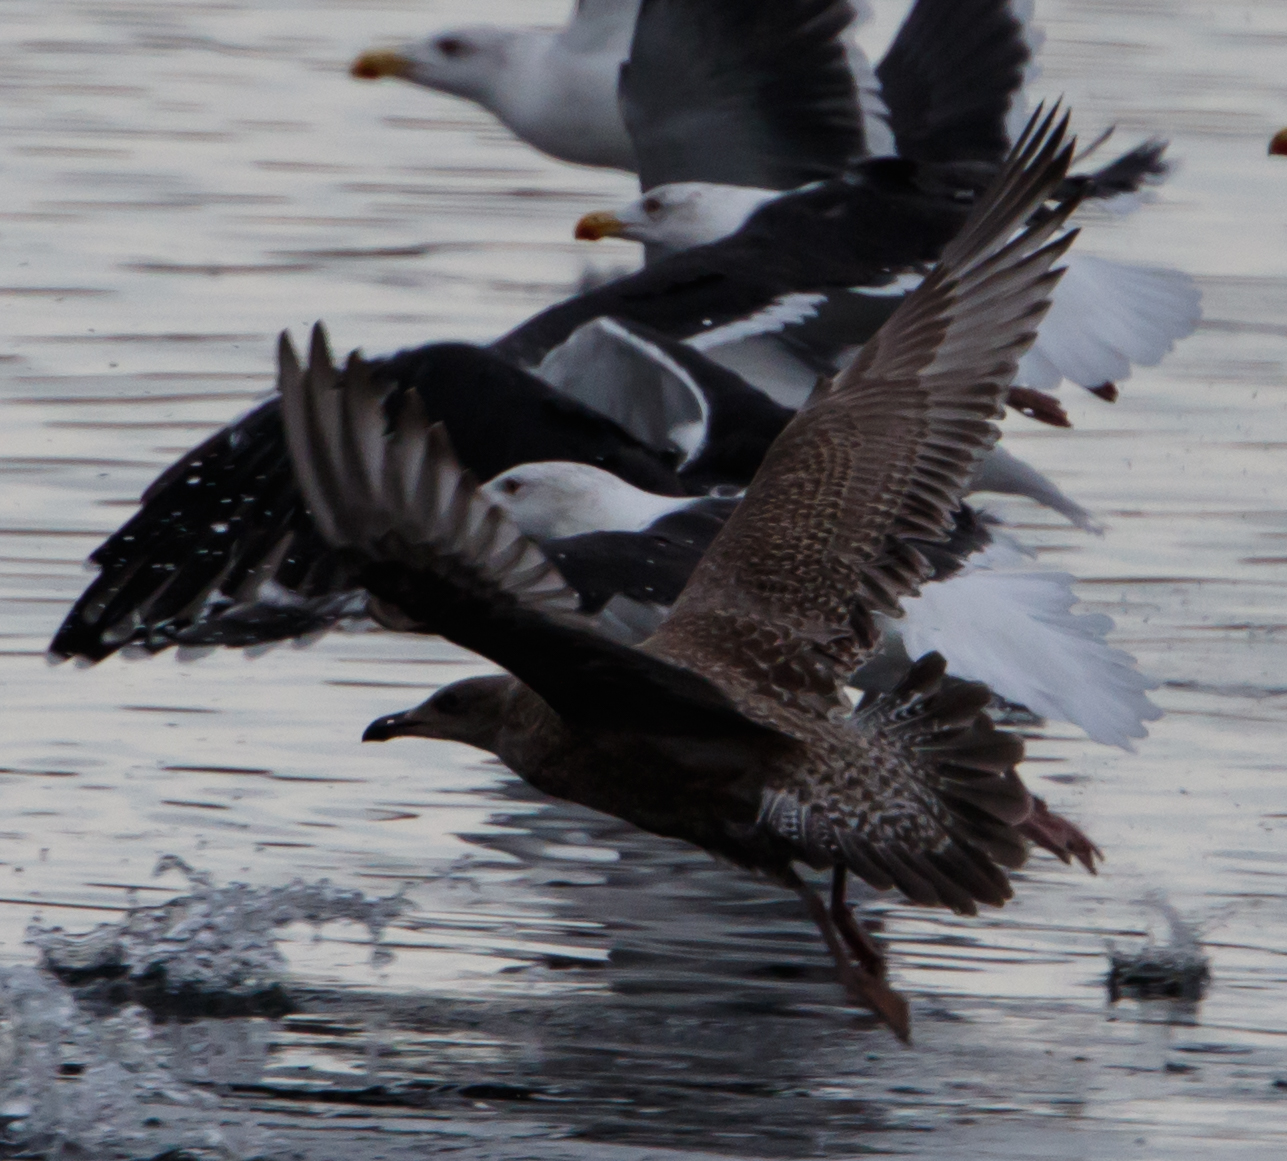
(389,726)
(1279,144)
(371,66)
(599,224)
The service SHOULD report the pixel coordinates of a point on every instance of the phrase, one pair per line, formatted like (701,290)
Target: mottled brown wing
(779,612)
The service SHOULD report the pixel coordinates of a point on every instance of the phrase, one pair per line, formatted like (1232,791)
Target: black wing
(499,416)
(949,78)
(1132,171)
(670,396)
(224,552)
(213,529)
(887,217)
(653,566)
(741,92)
(650,567)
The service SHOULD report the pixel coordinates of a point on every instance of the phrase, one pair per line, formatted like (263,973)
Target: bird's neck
(561,101)
(527,733)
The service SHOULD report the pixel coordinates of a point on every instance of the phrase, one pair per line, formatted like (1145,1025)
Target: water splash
(88,1062)
(1178,970)
(213,950)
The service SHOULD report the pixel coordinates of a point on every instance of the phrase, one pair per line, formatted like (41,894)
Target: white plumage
(1014,629)
(1106,316)
(553,499)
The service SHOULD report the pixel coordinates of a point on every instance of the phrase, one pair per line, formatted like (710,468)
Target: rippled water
(178,180)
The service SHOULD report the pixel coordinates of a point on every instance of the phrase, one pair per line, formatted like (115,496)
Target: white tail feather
(1016,632)
(1105,316)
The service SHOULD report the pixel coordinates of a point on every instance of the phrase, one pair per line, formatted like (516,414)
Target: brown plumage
(729,727)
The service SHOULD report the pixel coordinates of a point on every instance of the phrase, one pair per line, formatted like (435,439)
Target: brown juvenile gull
(729,727)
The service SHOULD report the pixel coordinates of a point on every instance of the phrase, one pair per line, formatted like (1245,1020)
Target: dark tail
(939,815)
(971,767)
(1141,166)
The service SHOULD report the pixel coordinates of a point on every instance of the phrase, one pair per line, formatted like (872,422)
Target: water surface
(178,181)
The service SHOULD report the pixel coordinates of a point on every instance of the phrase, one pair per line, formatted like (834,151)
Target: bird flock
(714,520)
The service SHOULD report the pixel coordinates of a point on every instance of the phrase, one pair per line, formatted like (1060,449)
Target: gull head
(555,498)
(678,216)
(470,711)
(463,61)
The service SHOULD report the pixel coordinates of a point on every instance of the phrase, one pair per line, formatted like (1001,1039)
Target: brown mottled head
(470,711)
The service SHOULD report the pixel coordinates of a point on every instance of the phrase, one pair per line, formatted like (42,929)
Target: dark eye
(449,702)
(453,46)
(511,487)
(652,205)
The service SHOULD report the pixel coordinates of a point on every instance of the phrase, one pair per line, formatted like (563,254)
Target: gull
(991,615)
(1106,316)
(729,727)
(754,92)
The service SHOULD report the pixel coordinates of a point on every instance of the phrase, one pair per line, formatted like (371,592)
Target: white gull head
(466,62)
(681,215)
(555,499)
(542,84)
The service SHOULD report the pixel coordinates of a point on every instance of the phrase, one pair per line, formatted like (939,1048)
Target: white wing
(634,383)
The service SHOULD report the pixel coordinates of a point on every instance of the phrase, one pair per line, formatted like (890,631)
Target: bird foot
(1039,406)
(1062,838)
(874,993)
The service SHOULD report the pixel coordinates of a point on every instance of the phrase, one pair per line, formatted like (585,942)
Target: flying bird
(729,727)
(987,610)
(223,551)
(1105,317)
(770,93)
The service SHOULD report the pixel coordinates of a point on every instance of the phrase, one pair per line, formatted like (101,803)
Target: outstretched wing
(384,486)
(779,611)
(221,552)
(741,92)
(949,78)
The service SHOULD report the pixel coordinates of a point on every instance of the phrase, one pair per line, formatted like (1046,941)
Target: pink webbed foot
(1060,837)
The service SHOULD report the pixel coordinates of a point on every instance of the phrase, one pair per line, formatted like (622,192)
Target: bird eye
(449,702)
(652,206)
(453,46)
(511,487)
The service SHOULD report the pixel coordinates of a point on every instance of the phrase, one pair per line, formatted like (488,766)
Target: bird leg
(865,949)
(864,988)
